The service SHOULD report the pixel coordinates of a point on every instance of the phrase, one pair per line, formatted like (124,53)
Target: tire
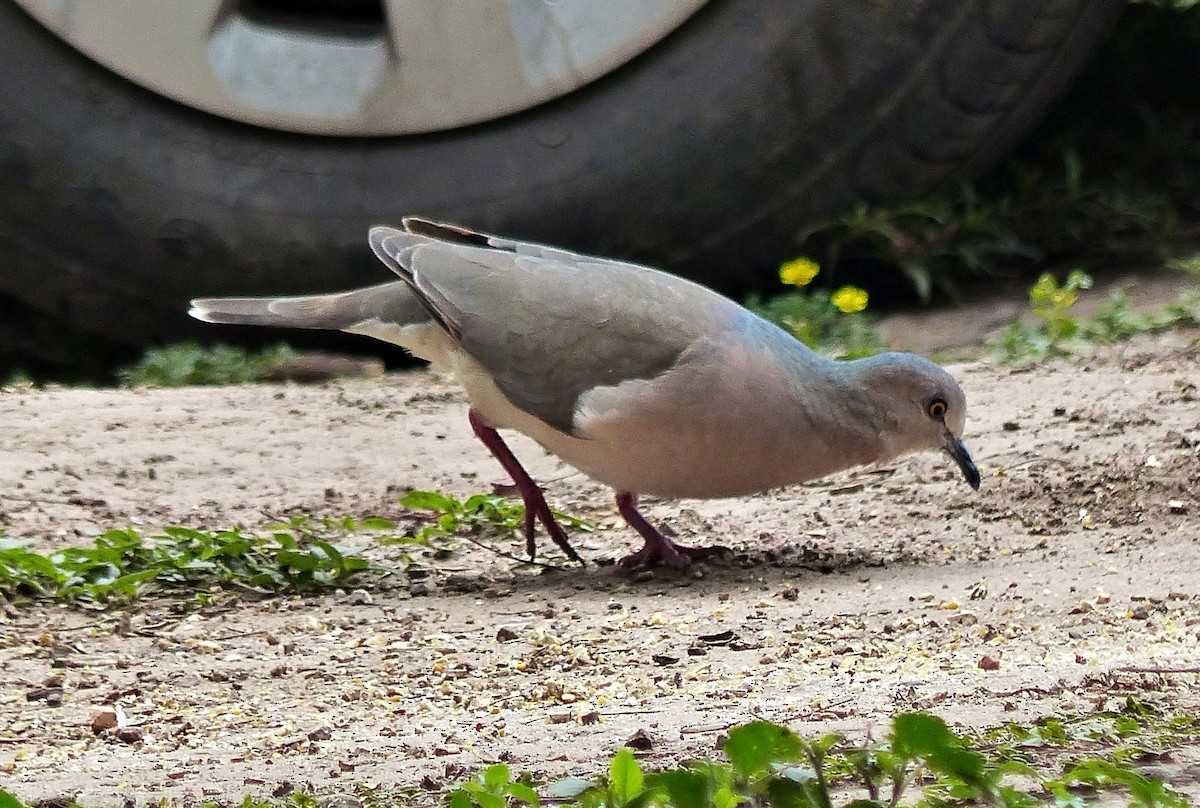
(705,155)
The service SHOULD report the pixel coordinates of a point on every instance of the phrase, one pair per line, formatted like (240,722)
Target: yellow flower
(799,271)
(849,299)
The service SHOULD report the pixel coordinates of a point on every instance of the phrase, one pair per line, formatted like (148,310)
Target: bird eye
(936,409)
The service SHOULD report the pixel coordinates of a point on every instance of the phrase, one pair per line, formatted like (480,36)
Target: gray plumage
(646,381)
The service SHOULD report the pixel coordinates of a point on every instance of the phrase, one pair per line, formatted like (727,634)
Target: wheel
(214,155)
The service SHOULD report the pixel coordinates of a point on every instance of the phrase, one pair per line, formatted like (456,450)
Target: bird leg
(536,508)
(658,549)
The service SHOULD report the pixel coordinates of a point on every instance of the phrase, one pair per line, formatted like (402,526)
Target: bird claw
(539,510)
(669,554)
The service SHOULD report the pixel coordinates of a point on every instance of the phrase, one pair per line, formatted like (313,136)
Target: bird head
(923,408)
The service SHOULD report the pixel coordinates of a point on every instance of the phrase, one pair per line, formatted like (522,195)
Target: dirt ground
(1070,580)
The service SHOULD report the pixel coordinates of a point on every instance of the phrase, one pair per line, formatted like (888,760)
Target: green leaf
(919,735)
(479,796)
(1143,791)
(683,788)
(302,562)
(428,501)
(783,793)
(625,779)
(460,799)
(231,548)
(569,787)
(9,801)
(753,747)
(496,776)
(523,793)
(128,584)
(482,502)
(724,797)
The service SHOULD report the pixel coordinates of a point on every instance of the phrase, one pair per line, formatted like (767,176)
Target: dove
(644,381)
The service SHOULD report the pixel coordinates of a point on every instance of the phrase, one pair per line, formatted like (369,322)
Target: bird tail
(388,303)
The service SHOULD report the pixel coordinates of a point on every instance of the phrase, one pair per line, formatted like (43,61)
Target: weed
(190,364)
(122,564)
(1050,337)
(299,554)
(494,786)
(477,514)
(1110,173)
(1060,333)
(1045,211)
(18,379)
(770,765)
(834,323)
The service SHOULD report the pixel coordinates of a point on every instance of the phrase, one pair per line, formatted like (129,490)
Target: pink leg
(535,502)
(658,549)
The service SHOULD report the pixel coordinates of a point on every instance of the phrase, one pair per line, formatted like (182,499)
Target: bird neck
(836,420)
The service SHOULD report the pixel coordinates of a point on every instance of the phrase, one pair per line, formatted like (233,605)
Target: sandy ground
(1070,580)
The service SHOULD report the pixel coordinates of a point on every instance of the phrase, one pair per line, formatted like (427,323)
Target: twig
(1156,669)
(239,634)
(44,500)
(705,728)
(82,627)
(1041,459)
(510,556)
(818,761)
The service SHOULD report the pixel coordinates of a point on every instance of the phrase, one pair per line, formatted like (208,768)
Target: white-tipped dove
(647,382)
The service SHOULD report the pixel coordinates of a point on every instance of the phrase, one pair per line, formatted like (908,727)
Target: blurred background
(921,153)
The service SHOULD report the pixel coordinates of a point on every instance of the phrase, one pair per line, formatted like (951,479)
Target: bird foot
(669,554)
(658,549)
(536,508)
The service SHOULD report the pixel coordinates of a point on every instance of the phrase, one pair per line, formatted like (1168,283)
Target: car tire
(705,155)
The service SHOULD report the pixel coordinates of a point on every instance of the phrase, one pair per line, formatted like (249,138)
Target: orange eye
(937,409)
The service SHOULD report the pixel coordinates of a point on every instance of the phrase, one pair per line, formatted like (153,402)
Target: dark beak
(958,452)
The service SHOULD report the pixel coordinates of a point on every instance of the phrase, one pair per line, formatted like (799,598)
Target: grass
(921,763)
(1043,213)
(480,515)
(124,564)
(1063,761)
(1059,332)
(192,364)
(301,554)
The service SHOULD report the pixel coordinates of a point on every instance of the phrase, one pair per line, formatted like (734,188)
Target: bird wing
(547,324)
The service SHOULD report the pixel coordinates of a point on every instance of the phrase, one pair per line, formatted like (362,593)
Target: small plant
(1060,333)
(835,324)
(477,514)
(1170,5)
(1050,337)
(123,565)
(299,554)
(191,364)
(769,765)
(493,788)
(18,379)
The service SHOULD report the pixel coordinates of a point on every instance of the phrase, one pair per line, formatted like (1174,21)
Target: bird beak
(959,454)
